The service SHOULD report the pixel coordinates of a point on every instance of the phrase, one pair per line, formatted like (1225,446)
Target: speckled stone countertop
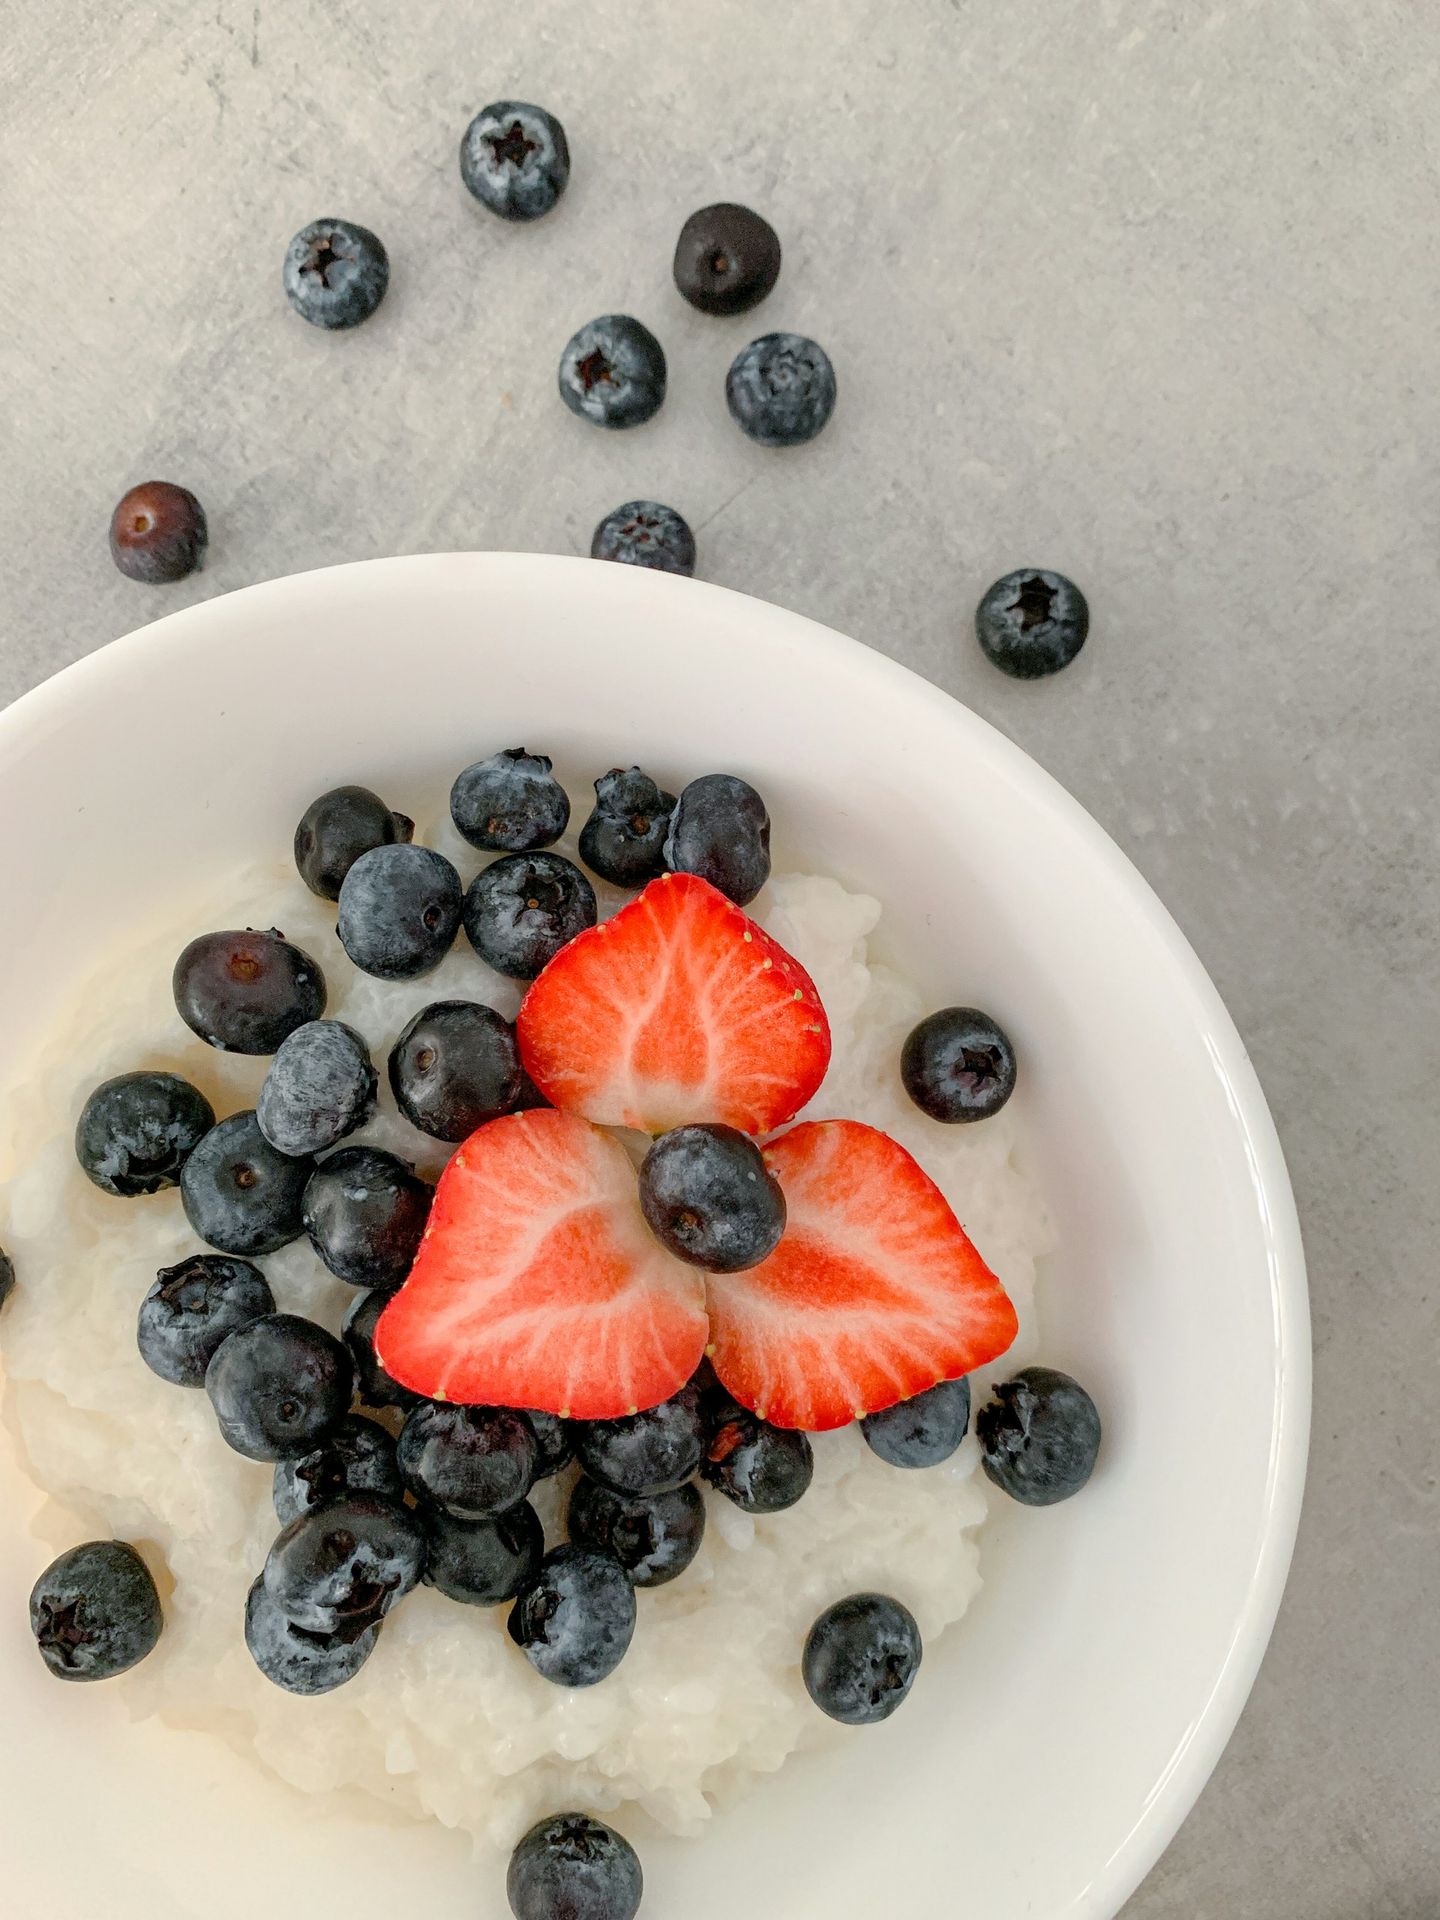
(1142,290)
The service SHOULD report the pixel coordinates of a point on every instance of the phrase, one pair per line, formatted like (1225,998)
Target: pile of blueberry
(377,1488)
(780,389)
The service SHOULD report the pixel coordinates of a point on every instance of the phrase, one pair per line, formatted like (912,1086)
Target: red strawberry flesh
(678,1010)
(538,1284)
(874,1293)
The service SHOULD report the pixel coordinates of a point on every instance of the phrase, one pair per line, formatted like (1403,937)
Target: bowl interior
(1068,1724)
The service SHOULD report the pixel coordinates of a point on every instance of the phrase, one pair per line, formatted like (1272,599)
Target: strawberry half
(873,1294)
(538,1284)
(678,1010)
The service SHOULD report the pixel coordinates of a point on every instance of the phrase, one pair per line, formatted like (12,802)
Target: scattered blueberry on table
(623,840)
(240,1194)
(335,273)
(193,1308)
(1032,623)
(613,372)
(727,258)
(861,1658)
(136,1132)
(958,1065)
(523,908)
(643,533)
(709,1198)
(245,991)
(1039,1436)
(95,1612)
(158,533)
(336,829)
(515,159)
(781,389)
(573,1867)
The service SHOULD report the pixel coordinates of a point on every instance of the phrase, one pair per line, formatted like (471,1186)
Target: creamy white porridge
(447,1720)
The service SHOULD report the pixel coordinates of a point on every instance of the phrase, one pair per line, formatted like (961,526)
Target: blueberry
(644,1453)
(192,1308)
(957,1065)
(455,1066)
(576,1617)
(571,1867)
(345,1563)
(613,372)
(373,1384)
(301,1662)
(484,1562)
(555,1444)
(136,1132)
(624,838)
(654,1540)
(861,1658)
(781,389)
(7,1276)
(923,1431)
(727,259)
(239,1194)
(642,533)
(515,159)
(399,909)
(320,1087)
(245,991)
(279,1386)
(158,533)
(522,909)
(1032,623)
(358,1457)
(365,1211)
(472,1461)
(721,830)
(335,273)
(1039,1436)
(763,1469)
(94,1612)
(336,829)
(510,803)
(710,1199)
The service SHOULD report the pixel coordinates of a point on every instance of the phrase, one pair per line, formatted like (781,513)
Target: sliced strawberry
(678,1010)
(874,1294)
(538,1284)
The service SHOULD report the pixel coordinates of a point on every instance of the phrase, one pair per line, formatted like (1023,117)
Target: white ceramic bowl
(1065,1728)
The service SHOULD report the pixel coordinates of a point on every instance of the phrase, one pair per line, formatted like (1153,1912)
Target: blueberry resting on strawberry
(710,1199)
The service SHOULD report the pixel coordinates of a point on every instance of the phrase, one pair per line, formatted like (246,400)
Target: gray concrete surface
(1142,290)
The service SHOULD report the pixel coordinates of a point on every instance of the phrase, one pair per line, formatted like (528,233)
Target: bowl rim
(830,651)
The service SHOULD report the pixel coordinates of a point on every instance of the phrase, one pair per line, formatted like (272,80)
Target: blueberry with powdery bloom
(345,1562)
(576,1618)
(335,273)
(571,1867)
(515,159)
(192,1309)
(624,838)
(320,1087)
(472,1461)
(643,533)
(358,1457)
(654,1539)
(510,803)
(399,911)
(922,1431)
(300,1662)
(1039,1437)
(1032,623)
(136,1132)
(612,372)
(522,909)
(861,1658)
(781,389)
(95,1612)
